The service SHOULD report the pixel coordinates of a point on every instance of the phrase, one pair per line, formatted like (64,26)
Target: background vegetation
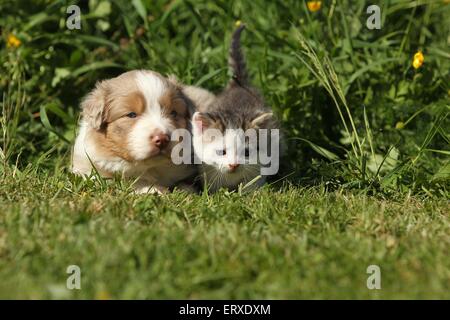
(365,179)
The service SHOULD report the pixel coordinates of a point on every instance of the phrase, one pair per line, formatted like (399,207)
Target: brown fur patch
(123,105)
(112,139)
(174,106)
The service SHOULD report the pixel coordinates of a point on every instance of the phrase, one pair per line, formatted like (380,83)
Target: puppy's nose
(160,140)
(233,167)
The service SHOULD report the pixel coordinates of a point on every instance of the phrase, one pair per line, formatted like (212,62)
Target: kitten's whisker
(253,169)
(216,177)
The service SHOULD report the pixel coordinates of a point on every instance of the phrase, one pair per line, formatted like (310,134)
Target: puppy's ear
(179,88)
(202,121)
(189,105)
(263,121)
(94,106)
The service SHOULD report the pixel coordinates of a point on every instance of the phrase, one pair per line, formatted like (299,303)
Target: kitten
(219,123)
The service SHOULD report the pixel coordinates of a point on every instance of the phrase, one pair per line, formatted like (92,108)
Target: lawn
(365,179)
(291,242)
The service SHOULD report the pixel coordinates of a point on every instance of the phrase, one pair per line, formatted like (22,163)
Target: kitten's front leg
(186,187)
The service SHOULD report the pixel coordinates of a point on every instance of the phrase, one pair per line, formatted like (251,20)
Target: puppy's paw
(152,190)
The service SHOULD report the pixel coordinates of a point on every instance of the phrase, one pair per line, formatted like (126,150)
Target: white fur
(215,168)
(151,86)
(152,120)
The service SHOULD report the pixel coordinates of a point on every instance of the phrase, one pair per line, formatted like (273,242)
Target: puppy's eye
(173,114)
(132,115)
(221,152)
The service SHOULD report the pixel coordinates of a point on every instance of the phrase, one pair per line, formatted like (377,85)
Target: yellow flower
(314,6)
(238,23)
(102,295)
(13,41)
(419,56)
(416,64)
(400,125)
(418,60)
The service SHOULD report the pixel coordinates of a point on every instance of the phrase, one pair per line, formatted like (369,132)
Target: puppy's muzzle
(159,140)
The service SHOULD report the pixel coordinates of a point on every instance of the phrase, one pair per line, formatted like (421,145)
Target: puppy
(126,128)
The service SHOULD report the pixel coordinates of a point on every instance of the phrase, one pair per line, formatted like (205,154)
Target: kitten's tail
(236,59)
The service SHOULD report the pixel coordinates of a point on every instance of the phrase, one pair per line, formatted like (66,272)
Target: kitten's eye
(173,114)
(221,152)
(247,152)
(132,115)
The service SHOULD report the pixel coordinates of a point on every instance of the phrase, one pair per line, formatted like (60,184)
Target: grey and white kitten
(238,106)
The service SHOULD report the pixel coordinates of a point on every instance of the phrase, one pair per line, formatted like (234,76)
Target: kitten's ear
(263,121)
(202,121)
(173,79)
(94,106)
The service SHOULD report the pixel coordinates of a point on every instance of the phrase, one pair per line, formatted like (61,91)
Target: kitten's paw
(189,188)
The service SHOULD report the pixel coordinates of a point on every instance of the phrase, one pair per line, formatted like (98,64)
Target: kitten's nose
(233,167)
(160,140)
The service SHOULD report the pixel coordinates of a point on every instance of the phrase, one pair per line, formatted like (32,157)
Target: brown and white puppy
(126,127)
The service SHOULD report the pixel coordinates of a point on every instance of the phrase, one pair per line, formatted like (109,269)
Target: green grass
(286,243)
(365,178)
